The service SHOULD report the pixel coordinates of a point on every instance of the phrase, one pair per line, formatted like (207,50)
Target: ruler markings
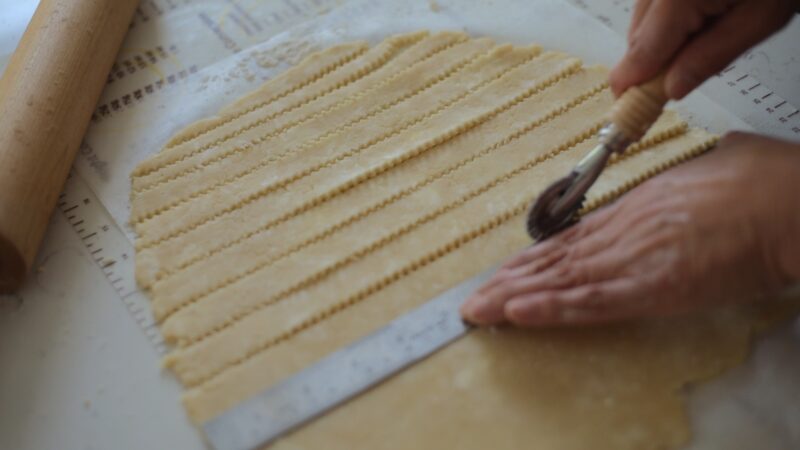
(757,104)
(109,248)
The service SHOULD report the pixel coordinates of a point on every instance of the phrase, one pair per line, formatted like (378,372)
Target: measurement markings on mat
(111,251)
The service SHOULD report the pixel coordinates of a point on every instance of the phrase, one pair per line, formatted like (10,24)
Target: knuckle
(564,272)
(574,274)
(697,70)
(572,257)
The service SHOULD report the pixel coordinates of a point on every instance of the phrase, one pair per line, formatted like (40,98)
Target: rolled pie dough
(365,181)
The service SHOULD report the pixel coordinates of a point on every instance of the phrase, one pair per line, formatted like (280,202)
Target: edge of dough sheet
(256,96)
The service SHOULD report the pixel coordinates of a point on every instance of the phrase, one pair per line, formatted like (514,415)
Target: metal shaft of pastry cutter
(558,206)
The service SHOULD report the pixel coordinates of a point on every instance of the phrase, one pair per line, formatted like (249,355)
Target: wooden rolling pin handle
(638,108)
(47,95)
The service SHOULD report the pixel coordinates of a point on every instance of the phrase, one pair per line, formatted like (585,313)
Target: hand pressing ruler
(344,373)
(111,250)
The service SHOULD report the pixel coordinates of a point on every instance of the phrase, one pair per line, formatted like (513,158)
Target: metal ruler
(344,373)
(110,249)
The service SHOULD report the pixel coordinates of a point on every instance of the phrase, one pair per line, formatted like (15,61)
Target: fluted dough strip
(196,181)
(306,217)
(431,164)
(321,64)
(373,70)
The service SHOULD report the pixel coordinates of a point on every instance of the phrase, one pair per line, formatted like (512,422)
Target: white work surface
(79,356)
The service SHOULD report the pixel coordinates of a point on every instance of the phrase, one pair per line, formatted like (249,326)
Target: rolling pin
(47,94)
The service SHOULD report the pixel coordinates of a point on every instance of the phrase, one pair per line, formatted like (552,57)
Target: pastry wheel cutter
(558,207)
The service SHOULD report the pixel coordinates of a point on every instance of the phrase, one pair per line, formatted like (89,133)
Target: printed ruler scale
(755,103)
(110,249)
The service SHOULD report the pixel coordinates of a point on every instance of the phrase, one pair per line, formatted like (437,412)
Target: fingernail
(478,310)
(613,81)
(468,308)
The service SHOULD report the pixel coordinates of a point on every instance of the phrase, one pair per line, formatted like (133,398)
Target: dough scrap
(362,183)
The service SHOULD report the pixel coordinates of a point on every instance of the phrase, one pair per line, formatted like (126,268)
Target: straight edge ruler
(110,249)
(345,373)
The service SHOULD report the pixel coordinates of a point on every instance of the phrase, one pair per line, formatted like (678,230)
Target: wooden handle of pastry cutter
(639,107)
(47,95)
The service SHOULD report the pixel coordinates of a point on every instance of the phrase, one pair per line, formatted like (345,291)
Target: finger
(535,251)
(598,303)
(583,240)
(486,307)
(542,262)
(663,29)
(639,11)
(747,24)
